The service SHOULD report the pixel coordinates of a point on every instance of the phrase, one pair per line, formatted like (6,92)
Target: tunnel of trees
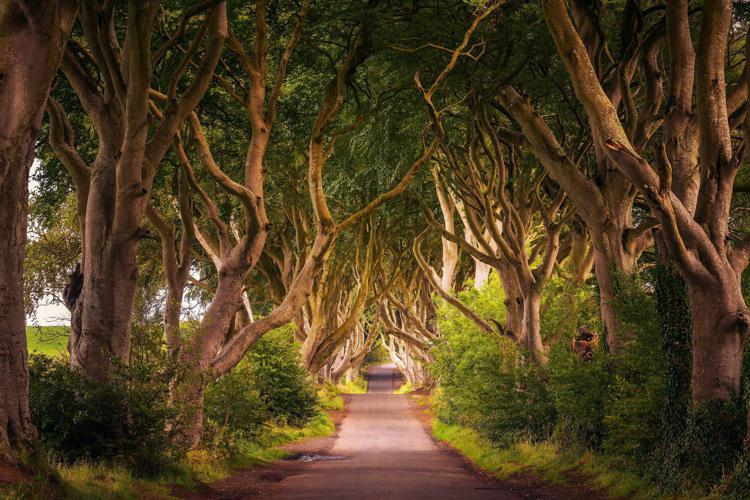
(538,210)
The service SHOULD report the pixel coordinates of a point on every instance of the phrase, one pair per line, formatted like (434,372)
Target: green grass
(87,481)
(356,386)
(47,340)
(330,397)
(207,467)
(546,460)
(405,388)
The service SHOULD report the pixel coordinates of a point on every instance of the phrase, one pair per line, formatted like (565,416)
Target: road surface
(386,455)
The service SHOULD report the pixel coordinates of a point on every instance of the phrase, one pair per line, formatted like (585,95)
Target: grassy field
(47,340)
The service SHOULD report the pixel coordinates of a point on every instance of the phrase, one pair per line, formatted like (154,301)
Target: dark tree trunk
(720,328)
(532,328)
(32,37)
(16,430)
(514,324)
(605,263)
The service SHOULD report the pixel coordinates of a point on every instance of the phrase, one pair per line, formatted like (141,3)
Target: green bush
(122,421)
(579,390)
(634,412)
(483,386)
(280,378)
(269,386)
(234,409)
(737,483)
(565,307)
(634,405)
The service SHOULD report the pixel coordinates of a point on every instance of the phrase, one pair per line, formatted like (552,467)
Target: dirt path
(382,451)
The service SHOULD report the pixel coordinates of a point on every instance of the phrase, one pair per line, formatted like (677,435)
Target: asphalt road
(386,454)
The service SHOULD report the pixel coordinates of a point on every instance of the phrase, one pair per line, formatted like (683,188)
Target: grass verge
(96,481)
(545,460)
(405,388)
(356,386)
(205,466)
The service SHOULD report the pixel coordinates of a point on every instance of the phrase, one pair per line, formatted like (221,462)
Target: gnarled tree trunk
(33,35)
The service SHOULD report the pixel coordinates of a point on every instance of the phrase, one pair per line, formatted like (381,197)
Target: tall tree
(114,192)
(603,197)
(33,35)
(697,240)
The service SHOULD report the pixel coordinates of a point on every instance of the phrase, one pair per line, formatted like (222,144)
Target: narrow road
(386,454)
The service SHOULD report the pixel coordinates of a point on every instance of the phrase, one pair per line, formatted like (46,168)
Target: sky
(50,314)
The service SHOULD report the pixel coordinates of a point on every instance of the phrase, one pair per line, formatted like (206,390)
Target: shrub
(122,421)
(737,483)
(580,391)
(269,386)
(280,378)
(634,417)
(482,384)
(234,409)
(565,307)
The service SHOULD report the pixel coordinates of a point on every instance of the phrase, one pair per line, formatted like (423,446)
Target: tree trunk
(172,314)
(109,288)
(16,430)
(514,324)
(109,279)
(605,263)
(188,395)
(720,322)
(32,37)
(531,326)
(481,274)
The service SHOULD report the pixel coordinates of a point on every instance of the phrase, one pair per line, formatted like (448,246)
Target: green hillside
(48,340)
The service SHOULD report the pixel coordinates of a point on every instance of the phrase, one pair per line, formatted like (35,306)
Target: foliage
(565,307)
(122,421)
(638,395)
(330,397)
(631,407)
(579,390)
(280,378)
(483,386)
(52,252)
(268,387)
(377,355)
(356,386)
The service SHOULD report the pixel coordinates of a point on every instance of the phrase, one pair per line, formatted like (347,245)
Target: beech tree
(32,40)
(603,197)
(340,299)
(134,135)
(694,223)
(504,202)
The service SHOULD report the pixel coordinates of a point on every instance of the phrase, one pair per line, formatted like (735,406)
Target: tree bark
(514,314)
(16,430)
(531,325)
(33,35)
(120,180)
(719,338)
